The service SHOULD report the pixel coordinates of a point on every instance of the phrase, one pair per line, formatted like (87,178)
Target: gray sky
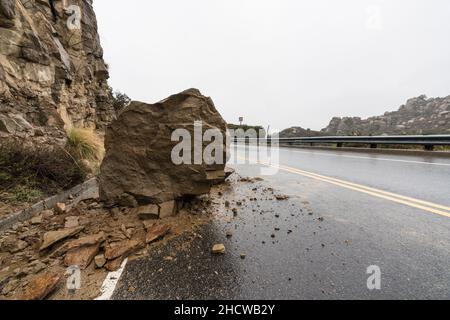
(280,62)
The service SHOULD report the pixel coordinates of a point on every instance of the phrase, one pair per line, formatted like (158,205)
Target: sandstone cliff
(52,72)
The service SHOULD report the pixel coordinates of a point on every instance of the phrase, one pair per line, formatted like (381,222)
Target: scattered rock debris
(34,254)
(98,238)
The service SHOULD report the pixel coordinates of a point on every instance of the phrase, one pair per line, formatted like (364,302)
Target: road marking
(314,152)
(408,201)
(422,202)
(411,202)
(375,158)
(110,283)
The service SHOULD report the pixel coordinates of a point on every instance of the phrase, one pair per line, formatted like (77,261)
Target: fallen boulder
(139,149)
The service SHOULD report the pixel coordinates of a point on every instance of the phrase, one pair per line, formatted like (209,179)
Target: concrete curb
(86,190)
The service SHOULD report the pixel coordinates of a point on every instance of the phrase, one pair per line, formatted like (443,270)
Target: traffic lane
(405,175)
(318,260)
(411,246)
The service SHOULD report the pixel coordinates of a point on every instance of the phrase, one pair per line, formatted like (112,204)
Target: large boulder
(138,168)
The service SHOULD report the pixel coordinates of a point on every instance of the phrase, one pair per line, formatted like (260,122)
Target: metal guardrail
(428,142)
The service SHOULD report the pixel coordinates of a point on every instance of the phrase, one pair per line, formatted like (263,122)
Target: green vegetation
(120,101)
(28,172)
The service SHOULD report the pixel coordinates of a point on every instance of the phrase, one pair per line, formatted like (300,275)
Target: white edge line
(110,282)
(366,158)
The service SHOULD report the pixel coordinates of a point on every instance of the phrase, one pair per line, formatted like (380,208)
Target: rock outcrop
(296,132)
(418,116)
(138,168)
(52,72)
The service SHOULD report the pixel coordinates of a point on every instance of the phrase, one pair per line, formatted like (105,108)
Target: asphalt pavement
(345,213)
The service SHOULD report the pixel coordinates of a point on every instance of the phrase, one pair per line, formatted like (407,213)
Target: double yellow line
(408,201)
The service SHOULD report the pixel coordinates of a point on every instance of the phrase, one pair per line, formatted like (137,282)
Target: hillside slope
(420,115)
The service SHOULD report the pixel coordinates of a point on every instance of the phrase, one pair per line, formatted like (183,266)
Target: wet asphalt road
(317,244)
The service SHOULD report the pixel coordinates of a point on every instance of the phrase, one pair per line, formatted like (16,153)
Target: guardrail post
(340,144)
(429,147)
(373,146)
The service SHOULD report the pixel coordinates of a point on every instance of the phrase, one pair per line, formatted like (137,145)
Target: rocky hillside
(296,132)
(419,115)
(52,72)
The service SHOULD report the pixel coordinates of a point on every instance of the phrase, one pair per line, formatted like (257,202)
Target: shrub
(28,171)
(120,101)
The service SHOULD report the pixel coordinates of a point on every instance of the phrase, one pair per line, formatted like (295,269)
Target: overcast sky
(280,62)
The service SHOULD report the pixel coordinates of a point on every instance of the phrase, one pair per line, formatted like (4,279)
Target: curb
(86,190)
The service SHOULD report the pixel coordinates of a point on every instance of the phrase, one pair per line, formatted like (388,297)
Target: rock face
(139,146)
(418,116)
(52,72)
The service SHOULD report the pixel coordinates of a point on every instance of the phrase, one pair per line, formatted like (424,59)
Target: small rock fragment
(114,264)
(156,232)
(60,208)
(148,212)
(218,249)
(81,257)
(53,237)
(71,222)
(41,286)
(167,209)
(100,261)
(122,249)
(86,241)
(36,220)
(13,245)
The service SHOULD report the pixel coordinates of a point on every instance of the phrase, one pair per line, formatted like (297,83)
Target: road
(346,212)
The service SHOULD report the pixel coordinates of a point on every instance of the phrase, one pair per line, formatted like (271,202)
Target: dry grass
(29,171)
(85,144)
